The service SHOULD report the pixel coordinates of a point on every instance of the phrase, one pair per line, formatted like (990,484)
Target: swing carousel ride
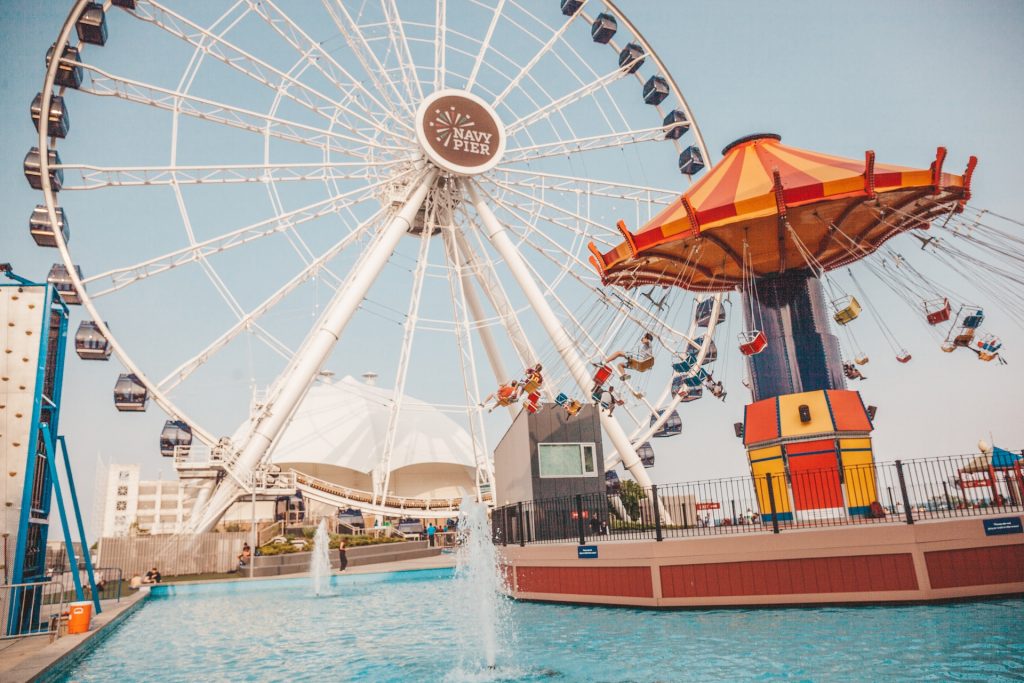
(777,223)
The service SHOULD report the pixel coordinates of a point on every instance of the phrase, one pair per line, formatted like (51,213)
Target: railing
(880,493)
(30,609)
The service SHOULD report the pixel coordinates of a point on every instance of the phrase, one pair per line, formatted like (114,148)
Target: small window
(567,460)
(122,490)
(121,506)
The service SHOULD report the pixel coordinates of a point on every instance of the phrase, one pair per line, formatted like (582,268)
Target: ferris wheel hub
(459,132)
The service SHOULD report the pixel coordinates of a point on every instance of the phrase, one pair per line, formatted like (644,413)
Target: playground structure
(33,453)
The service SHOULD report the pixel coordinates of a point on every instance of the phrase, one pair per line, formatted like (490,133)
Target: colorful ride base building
(810,455)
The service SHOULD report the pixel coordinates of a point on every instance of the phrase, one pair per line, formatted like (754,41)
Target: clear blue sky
(897,77)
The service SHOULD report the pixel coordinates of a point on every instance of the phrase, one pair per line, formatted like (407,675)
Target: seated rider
(715,387)
(532,380)
(608,398)
(506,394)
(643,353)
(852,371)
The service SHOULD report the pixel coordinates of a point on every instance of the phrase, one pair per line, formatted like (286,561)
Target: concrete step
(296,563)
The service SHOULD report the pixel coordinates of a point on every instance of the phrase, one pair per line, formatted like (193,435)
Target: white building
(130,504)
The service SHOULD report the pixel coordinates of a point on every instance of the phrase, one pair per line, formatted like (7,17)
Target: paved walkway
(22,659)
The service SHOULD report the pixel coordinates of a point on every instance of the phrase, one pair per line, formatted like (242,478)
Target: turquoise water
(407,627)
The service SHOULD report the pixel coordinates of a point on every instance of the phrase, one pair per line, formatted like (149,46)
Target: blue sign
(589,552)
(993,527)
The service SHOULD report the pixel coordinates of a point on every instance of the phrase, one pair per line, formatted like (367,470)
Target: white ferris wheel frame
(305,363)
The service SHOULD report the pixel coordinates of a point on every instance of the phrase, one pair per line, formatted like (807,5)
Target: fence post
(522,528)
(579,519)
(771,503)
(657,512)
(903,490)
(945,492)
(504,526)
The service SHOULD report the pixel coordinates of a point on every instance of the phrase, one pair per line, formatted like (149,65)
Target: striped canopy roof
(792,207)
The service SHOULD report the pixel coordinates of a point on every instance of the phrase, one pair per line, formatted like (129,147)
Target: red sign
(974,483)
(709,506)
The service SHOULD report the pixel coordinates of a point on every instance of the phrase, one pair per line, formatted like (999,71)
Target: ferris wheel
(289,188)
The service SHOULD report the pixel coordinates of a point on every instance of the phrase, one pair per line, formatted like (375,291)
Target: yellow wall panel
(859,444)
(789,414)
(859,474)
(775,467)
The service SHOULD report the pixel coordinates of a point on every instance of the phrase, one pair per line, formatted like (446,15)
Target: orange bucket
(79,616)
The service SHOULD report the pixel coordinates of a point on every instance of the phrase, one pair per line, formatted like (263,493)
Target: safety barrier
(897,492)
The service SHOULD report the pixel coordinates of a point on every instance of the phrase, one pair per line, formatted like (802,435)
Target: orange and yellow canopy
(767,208)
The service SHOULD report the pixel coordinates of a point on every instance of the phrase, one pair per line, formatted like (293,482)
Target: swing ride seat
(602,374)
(531,385)
(987,355)
(861,360)
(561,399)
(904,357)
(965,337)
(752,342)
(640,364)
(937,311)
(847,309)
(572,407)
(533,402)
(948,347)
(973,318)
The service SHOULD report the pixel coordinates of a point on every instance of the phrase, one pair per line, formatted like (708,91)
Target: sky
(897,78)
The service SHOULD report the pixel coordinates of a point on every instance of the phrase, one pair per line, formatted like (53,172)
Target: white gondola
(33,169)
(612,483)
(90,344)
(58,123)
(68,75)
(703,314)
(631,58)
(61,281)
(175,438)
(130,394)
(656,89)
(42,232)
(676,125)
(646,454)
(92,24)
(603,28)
(673,424)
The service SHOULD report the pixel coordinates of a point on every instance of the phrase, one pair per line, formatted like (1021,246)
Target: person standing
(431,530)
(342,555)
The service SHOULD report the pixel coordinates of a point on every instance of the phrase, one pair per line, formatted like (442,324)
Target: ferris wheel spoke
(400,47)
(485,44)
(567,212)
(588,143)
(634,309)
(547,182)
(251,318)
(440,43)
(119,278)
(556,106)
(528,67)
(486,276)
(326,64)
(104,84)
(383,478)
(96,177)
(238,59)
(362,51)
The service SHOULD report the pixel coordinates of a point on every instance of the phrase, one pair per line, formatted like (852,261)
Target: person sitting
(505,395)
(532,380)
(852,371)
(715,387)
(641,360)
(245,555)
(135,583)
(153,576)
(608,399)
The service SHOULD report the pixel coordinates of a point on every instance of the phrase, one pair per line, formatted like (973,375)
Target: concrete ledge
(34,658)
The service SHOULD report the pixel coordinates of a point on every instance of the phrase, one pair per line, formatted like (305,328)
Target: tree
(631,494)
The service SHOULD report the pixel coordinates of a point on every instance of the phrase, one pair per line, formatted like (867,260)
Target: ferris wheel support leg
(292,386)
(498,236)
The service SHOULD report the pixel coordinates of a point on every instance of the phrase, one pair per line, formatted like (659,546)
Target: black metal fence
(895,492)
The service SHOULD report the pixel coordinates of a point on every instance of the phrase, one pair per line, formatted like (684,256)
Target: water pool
(410,626)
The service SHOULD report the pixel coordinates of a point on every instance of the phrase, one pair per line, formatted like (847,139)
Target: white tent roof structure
(343,423)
